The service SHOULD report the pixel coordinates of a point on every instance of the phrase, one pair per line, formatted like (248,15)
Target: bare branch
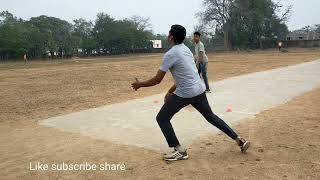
(287,13)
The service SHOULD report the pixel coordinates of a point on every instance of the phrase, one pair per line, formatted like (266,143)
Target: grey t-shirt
(200,48)
(180,61)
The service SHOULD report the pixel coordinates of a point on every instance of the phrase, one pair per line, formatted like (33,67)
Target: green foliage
(45,36)
(255,24)
(246,23)
(120,36)
(83,36)
(57,34)
(18,37)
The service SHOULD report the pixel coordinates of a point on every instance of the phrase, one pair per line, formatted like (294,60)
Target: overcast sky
(162,13)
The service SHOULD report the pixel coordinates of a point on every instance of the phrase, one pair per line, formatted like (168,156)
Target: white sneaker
(175,156)
(244,145)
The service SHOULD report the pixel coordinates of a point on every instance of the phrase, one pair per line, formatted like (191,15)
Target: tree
(255,23)
(102,32)
(83,36)
(7,18)
(120,36)
(246,23)
(141,23)
(57,33)
(42,36)
(33,41)
(217,14)
(18,37)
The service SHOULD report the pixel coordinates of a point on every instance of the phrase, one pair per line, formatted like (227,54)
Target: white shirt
(199,47)
(180,61)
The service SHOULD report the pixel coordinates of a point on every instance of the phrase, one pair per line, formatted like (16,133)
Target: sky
(162,13)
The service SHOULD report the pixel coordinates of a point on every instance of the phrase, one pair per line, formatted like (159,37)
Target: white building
(157,44)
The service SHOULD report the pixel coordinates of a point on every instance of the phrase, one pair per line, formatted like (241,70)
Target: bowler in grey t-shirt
(179,60)
(187,90)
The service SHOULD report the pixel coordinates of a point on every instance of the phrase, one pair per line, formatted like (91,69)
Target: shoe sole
(245,147)
(182,158)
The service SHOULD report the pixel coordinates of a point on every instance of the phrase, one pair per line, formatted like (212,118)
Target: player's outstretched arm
(151,82)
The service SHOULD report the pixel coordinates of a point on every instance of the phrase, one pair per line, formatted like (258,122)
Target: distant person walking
(25,58)
(280,45)
(201,59)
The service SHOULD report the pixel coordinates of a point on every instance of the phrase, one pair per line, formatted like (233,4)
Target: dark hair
(178,33)
(197,33)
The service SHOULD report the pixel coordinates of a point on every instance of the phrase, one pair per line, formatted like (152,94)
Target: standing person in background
(201,59)
(25,59)
(280,45)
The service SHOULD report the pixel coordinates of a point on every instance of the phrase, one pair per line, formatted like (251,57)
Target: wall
(302,43)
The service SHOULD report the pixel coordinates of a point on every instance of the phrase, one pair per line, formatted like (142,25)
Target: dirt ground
(286,139)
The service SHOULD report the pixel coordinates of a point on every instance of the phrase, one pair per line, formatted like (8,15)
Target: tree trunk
(52,54)
(226,36)
(226,40)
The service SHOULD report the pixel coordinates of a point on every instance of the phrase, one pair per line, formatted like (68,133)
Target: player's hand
(136,85)
(167,97)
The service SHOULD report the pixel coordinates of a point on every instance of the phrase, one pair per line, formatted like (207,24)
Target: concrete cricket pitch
(133,122)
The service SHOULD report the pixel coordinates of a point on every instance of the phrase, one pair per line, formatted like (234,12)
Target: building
(302,38)
(302,35)
(157,44)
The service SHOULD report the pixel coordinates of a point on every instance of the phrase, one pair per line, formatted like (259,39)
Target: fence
(302,43)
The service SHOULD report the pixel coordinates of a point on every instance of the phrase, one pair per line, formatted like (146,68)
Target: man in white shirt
(188,89)
(280,45)
(201,59)
(25,58)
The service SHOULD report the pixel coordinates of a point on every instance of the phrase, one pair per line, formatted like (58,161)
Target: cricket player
(201,59)
(188,89)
